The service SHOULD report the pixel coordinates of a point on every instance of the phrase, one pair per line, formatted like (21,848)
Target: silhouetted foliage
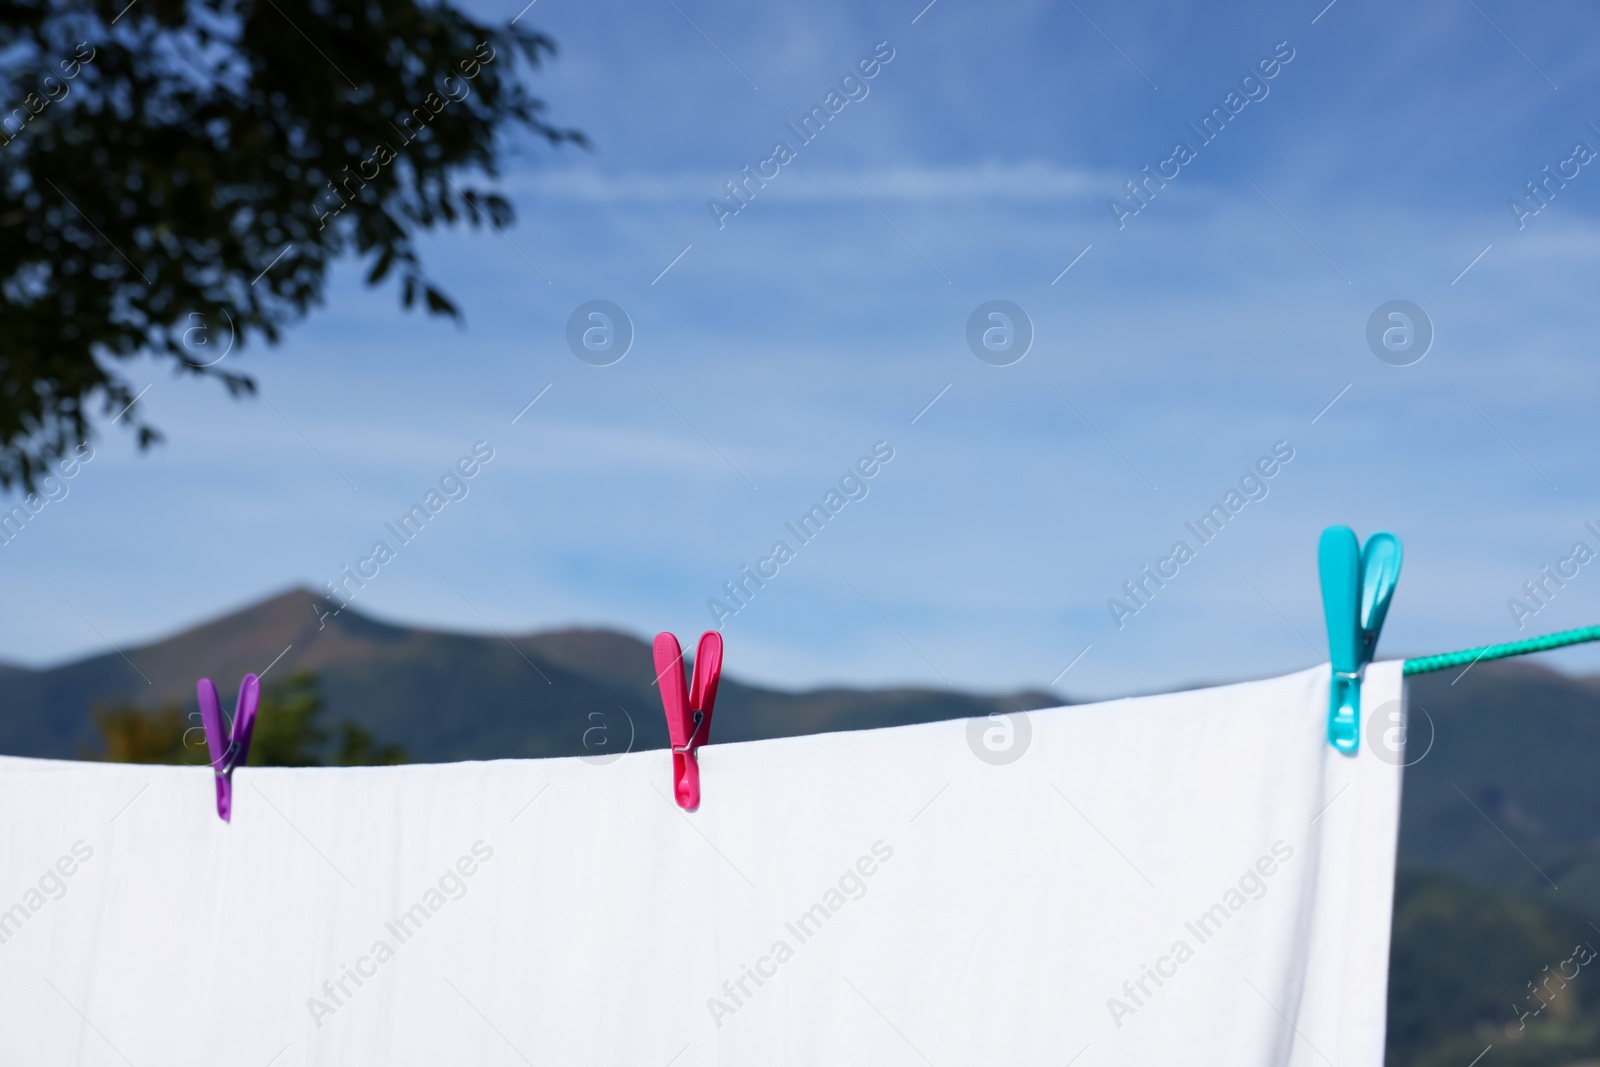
(358,748)
(131,734)
(176,177)
(1472,966)
(289,732)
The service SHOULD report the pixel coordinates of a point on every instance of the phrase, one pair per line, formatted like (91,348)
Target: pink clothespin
(688,710)
(230,747)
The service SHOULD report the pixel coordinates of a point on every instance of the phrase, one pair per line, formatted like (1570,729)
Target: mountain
(1502,791)
(1499,827)
(444,696)
(1471,967)
(1508,795)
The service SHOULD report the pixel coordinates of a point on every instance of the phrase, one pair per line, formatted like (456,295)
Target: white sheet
(962,910)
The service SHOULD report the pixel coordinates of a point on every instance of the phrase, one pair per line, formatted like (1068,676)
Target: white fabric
(1005,908)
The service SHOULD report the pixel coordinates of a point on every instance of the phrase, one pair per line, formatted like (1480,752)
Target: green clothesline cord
(1515,648)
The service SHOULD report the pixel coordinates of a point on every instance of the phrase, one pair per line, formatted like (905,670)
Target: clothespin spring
(699,721)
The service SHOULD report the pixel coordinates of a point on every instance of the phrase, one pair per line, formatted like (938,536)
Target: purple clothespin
(228,748)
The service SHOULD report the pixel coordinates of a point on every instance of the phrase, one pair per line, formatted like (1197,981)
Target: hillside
(1500,822)
(1463,966)
(444,696)
(1506,796)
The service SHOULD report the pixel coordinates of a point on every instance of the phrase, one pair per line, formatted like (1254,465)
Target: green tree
(176,177)
(130,734)
(289,732)
(358,748)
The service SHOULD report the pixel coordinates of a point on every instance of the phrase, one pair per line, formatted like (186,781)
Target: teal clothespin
(1357,585)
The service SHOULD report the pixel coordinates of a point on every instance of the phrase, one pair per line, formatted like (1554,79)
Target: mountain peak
(442,695)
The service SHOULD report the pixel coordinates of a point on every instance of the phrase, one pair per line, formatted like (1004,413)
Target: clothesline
(1445,660)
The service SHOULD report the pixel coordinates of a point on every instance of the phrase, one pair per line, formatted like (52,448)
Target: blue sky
(826,315)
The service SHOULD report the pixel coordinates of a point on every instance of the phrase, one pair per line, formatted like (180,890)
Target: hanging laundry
(1196,877)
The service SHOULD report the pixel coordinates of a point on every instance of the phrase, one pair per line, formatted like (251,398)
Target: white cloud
(1020,182)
